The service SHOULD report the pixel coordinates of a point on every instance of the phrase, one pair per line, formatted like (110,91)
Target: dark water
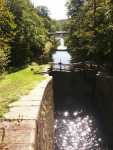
(77,130)
(74,131)
(77,125)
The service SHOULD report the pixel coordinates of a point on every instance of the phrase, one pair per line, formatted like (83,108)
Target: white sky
(57,7)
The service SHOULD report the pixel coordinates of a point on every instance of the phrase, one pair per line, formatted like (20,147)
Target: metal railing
(71,67)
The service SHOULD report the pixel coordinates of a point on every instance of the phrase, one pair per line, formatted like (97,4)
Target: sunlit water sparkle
(74,131)
(62,56)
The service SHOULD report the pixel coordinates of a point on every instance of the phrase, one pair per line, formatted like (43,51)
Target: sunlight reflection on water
(74,131)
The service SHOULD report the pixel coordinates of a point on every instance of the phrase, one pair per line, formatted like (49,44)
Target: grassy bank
(14,85)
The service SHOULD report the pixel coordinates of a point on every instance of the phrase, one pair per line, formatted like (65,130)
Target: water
(77,131)
(77,125)
(61,55)
(61,46)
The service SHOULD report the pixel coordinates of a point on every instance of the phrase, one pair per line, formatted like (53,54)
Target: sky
(57,7)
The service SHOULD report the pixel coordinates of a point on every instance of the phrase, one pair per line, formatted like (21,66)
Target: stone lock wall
(104,101)
(29,123)
(45,122)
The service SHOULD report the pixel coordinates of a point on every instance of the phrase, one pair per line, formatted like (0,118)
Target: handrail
(70,67)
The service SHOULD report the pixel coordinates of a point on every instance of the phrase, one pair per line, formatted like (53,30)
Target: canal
(78,123)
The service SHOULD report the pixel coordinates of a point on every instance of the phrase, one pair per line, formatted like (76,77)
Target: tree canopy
(7,33)
(23,33)
(91,30)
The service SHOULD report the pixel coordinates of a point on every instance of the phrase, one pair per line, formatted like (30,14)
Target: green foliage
(31,34)
(55,26)
(91,30)
(43,11)
(7,28)
(23,33)
(4,58)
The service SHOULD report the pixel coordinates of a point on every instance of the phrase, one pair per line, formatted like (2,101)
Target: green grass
(14,85)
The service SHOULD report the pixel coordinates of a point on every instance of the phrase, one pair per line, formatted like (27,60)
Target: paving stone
(23,121)
(25,103)
(17,147)
(10,124)
(24,112)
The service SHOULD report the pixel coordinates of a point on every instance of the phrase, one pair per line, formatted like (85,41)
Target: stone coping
(28,106)
(18,128)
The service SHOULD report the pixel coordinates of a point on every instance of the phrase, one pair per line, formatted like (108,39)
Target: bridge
(58,33)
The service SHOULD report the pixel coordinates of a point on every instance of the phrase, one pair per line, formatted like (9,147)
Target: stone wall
(104,101)
(90,89)
(45,121)
(29,123)
(77,85)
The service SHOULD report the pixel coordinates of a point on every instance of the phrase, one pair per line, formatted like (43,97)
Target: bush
(4,59)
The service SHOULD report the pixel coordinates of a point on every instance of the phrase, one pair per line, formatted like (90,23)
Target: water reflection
(61,46)
(61,56)
(75,131)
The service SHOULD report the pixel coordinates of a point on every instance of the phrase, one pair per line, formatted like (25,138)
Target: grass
(14,85)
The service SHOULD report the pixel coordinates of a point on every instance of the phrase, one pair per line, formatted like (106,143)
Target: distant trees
(55,26)
(91,30)
(43,11)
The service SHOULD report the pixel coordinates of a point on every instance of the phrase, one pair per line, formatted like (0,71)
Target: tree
(91,30)
(43,11)
(7,31)
(32,34)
